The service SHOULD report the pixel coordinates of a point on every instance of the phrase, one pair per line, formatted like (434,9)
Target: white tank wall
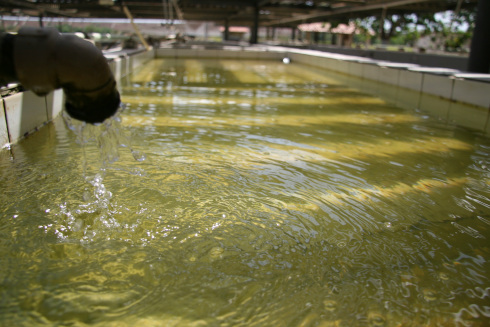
(24,113)
(448,94)
(453,96)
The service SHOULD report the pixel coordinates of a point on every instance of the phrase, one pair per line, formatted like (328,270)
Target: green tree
(404,29)
(460,29)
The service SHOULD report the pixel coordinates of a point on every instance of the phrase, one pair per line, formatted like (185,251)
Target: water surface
(252,194)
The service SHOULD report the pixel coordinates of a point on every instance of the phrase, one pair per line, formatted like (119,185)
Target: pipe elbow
(71,63)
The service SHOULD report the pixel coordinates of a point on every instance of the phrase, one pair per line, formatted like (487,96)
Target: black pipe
(42,60)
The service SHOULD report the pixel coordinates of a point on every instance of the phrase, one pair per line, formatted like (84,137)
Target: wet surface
(252,194)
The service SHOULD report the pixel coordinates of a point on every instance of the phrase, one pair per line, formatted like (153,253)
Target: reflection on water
(267,195)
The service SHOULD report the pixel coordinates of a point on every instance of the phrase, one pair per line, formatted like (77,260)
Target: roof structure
(279,13)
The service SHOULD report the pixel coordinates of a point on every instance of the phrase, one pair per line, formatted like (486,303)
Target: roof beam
(39,8)
(344,10)
(243,12)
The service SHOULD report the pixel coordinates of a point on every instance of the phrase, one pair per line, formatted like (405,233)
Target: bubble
(330,305)
(77,225)
(429,295)
(376,319)
(443,276)
(86,196)
(216,252)
(137,155)
(341,244)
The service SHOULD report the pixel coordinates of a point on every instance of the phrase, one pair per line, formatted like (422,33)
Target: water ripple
(246,209)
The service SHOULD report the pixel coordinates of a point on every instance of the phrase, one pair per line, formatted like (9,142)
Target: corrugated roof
(238,12)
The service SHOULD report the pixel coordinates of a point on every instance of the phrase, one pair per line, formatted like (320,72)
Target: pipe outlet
(45,60)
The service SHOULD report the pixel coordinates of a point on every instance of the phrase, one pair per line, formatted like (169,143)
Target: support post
(316,37)
(382,24)
(41,24)
(254,33)
(136,29)
(226,35)
(479,61)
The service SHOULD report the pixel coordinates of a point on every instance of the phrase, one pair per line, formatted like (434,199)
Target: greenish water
(252,194)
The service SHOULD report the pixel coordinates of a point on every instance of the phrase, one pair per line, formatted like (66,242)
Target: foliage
(86,29)
(459,31)
(453,30)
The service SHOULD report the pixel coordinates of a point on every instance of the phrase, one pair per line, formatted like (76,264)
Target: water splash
(108,137)
(102,195)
